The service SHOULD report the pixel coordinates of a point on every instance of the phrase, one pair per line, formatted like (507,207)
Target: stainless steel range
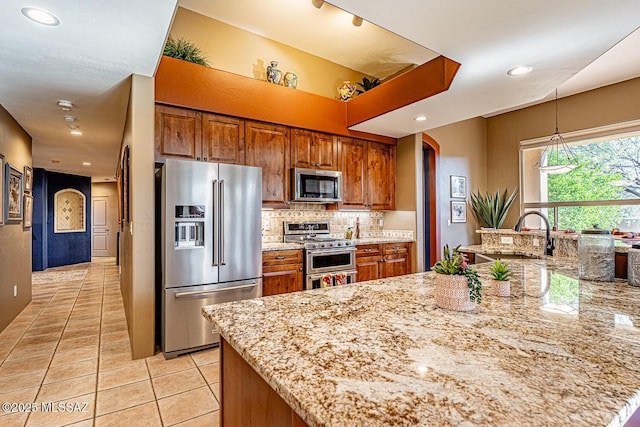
(328,261)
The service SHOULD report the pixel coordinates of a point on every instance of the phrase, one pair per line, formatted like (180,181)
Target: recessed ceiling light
(520,70)
(40,16)
(86,163)
(420,118)
(69,119)
(75,132)
(65,105)
(73,126)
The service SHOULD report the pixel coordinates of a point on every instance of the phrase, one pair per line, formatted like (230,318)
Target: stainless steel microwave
(316,186)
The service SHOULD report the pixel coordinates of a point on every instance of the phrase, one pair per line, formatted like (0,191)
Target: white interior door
(100,237)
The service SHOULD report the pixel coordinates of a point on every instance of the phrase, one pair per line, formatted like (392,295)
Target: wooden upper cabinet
(177,133)
(313,150)
(352,162)
(381,171)
(222,139)
(267,146)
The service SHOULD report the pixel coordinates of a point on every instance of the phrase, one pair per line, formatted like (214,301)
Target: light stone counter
(557,352)
(279,246)
(377,240)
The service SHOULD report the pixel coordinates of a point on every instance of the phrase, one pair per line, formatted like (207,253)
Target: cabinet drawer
(281,257)
(367,250)
(396,248)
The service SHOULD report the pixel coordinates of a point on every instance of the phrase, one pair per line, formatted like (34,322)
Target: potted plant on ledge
(458,285)
(500,279)
(492,209)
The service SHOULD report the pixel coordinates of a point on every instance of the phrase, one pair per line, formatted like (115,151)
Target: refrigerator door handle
(214,291)
(214,225)
(222,222)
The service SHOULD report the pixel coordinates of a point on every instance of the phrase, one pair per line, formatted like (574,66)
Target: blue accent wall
(39,222)
(55,249)
(68,248)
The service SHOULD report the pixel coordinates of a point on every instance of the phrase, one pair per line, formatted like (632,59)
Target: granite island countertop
(557,352)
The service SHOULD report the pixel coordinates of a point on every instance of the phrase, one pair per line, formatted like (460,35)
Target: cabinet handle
(197,158)
(205,159)
(279,273)
(280,257)
(395,248)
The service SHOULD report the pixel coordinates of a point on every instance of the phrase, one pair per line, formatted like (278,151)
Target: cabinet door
(324,151)
(396,265)
(301,141)
(313,150)
(368,268)
(396,259)
(381,173)
(222,139)
(352,161)
(177,133)
(267,146)
(281,279)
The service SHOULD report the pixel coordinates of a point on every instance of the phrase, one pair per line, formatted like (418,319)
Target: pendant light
(556,158)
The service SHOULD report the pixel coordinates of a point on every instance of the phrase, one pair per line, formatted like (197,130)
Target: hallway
(70,345)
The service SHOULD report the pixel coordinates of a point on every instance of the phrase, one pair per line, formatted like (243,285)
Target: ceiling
(87,59)
(575,45)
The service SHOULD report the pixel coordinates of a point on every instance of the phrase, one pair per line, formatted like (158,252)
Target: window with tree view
(604,189)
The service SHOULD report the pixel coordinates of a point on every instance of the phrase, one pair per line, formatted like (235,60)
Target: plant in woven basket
(492,209)
(500,271)
(454,263)
(185,50)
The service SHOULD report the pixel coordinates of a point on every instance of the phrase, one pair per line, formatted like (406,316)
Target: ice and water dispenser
(189,221)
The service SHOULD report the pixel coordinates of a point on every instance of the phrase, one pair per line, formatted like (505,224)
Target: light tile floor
(70,345)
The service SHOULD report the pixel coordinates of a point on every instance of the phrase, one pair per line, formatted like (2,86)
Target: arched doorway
(431,219)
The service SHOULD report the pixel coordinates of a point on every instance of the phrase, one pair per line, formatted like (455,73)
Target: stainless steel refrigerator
(211,246)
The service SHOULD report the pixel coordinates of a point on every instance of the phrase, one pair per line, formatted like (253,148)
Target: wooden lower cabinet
(368,260)
(246,399)
(396,259)
(281,272)
(378,261)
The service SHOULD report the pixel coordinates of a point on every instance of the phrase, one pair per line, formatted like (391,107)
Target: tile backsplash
(338,220)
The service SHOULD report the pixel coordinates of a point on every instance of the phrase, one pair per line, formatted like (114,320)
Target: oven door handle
(331,252)
(213,291)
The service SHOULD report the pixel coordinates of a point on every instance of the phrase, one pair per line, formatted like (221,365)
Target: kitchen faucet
(550,245)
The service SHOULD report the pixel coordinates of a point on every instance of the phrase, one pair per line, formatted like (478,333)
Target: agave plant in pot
(458,285)
(500,278)
(492,209)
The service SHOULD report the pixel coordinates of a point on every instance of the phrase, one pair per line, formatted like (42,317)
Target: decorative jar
(291,79)
(273,74)
(346,91)
(596,255)
(633,265)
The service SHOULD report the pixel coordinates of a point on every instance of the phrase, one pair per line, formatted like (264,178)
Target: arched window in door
(69,211)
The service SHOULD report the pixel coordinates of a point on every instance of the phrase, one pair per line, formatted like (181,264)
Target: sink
(492,257)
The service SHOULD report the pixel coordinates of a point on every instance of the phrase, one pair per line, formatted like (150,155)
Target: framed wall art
(13,196)
(458,211)
(28,211)
(2,190)
(28,179)
(458,187)
(125,185)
